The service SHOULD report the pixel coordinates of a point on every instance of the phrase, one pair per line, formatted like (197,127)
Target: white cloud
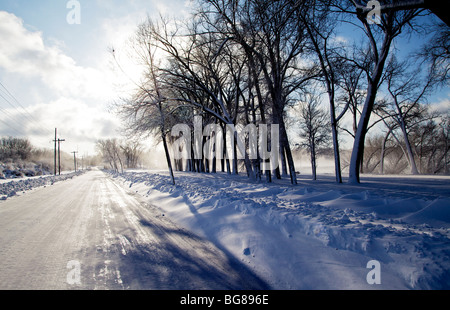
(79,123)
(23,52)
(340,39)
(59,93)
(442,106)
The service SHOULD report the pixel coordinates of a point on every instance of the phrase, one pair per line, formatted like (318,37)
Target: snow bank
(315,235)
(12,188)
(20,170)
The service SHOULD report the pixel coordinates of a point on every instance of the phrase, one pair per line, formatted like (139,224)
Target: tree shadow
(176,260)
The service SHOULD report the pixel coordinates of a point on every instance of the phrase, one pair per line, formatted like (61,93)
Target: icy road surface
(90,233)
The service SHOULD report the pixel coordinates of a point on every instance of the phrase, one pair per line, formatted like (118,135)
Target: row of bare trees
(241,62)
(119,155)
(429,139)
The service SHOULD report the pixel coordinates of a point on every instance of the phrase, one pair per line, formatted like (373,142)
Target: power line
(19,133)
(5,111)
(11,121)
(10,98)
(28,114)
(9,116)
(12,105)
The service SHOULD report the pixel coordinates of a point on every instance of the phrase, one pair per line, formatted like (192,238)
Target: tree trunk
(373,81)
(383,151)
(290,160)
(329,83)
(313,161)
(358,144)
(409,151)
(284,140)
(169,163)
(337,156)
(284,172)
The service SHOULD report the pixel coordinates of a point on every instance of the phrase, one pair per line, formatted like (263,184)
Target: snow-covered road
(90,233)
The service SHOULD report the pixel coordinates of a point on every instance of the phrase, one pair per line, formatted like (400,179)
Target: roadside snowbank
(24,169)
(12,188)
(316,235)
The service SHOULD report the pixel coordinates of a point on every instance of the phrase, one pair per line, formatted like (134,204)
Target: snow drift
(316,235)
(10,188)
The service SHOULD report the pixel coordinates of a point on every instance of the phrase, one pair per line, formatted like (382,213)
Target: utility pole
(59,154)
(56,132)
(75,161)
(58,141)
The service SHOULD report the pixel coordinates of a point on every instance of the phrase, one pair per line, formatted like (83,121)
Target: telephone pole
(75,161)
(58,143)
(56,133)
(59,154)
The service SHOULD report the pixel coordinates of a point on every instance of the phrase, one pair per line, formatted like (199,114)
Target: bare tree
(207,75)
(431,140)
(15,148)
(445,142)
(392,24)
(132,150)
(320,23)
(352,93)
(406,93)
(314,128)
(110,151)
(148,108)
(436,53)
(271,33)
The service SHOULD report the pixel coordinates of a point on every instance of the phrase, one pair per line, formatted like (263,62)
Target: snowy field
(316,235)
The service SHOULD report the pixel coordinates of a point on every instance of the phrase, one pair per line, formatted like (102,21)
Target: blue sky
(49,17)
(61,75)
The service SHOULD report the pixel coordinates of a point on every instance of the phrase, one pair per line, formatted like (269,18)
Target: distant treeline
(18,157)
(118,155)
(13,149)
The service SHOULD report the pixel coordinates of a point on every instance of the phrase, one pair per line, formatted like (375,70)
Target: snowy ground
(90,233)
(12,187)
(316,235)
